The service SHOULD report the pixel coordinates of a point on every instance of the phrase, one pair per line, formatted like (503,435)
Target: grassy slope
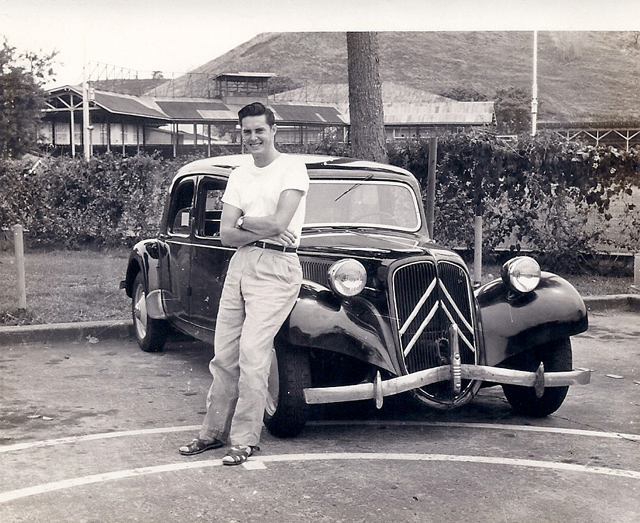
(582,76)
(65,287)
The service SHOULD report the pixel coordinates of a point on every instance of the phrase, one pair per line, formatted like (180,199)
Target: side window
(210,207)
(181,206)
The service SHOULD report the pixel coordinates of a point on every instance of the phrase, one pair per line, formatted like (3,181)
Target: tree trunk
(365,98)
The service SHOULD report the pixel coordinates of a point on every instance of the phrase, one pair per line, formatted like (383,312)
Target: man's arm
(261,227)
(230,235)
(276,224)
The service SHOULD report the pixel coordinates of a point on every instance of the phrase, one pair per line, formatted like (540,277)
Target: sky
(176,36)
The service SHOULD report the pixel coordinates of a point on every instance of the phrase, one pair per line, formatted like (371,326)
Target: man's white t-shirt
(256,190)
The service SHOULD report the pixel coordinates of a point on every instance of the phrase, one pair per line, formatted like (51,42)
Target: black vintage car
(382,309)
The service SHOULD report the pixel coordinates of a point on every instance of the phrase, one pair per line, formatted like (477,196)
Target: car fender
(353,326)
(514,323)
(144,258)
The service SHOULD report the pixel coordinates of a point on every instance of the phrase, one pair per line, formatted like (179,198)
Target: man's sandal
(238,454)
(198,446)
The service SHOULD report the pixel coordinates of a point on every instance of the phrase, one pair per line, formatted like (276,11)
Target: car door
(176,271)
(210,259)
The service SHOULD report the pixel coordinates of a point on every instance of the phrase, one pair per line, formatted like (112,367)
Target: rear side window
(209,205)
(181,208)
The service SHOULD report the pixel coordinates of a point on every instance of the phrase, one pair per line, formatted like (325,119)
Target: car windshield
(362,203)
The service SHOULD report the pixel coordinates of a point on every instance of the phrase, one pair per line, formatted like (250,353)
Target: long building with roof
(126,123)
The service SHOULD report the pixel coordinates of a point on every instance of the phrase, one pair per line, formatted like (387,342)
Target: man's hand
(285,238)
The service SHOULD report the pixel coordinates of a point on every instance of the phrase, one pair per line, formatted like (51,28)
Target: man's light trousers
(260,290)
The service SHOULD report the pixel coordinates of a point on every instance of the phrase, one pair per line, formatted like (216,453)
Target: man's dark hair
(257,109)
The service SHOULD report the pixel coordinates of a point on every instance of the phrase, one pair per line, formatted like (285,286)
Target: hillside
(582,76)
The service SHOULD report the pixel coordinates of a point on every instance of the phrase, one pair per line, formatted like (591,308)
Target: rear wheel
(556,356)
(287,412)
(150,333)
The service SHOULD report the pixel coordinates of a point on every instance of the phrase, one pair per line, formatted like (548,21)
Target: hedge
(544,195)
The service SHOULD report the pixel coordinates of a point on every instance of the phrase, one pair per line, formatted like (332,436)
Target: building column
(72,138)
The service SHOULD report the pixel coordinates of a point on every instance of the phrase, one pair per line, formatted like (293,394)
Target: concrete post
(636,271)
(18,243)
(431,184)
(477,251)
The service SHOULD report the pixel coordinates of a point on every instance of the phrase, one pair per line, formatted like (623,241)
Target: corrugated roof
(125,104)
(438,110)
(304,113)
(451,112)
(186,109)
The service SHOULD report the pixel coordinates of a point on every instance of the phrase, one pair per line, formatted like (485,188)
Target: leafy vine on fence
(546,195)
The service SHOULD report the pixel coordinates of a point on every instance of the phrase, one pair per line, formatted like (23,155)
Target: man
(263,211)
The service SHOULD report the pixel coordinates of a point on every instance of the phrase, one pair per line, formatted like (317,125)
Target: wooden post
(18,243)
(431,183)
(477,251)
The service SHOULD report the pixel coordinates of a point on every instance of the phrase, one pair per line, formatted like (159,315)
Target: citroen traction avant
(383,309)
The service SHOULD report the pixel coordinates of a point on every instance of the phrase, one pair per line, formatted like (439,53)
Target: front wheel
(287,412)
(150,333)
(556,356)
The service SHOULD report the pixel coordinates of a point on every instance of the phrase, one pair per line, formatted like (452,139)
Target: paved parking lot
(90,432)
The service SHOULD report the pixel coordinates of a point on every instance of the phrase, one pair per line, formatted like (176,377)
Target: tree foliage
(464,94)
(545,195)
(513,110)
(512,106)
(557,199)
(21,98)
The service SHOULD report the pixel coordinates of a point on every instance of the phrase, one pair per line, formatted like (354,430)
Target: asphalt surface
(91,427)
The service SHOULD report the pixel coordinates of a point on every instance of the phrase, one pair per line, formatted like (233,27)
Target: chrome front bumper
(455,372)
(378,389)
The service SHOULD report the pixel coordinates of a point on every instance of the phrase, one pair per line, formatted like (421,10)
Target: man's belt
(273,246)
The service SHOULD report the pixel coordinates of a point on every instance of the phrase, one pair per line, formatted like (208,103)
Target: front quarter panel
(353,327)
(144,257)
(513,324)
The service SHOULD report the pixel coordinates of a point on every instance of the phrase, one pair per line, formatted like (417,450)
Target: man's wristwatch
(240,222)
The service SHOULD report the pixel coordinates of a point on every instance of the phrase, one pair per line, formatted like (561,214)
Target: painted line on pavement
(124,474)
(436,424)
(93,437)
(492,426)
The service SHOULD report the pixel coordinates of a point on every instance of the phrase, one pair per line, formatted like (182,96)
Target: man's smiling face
(257,135)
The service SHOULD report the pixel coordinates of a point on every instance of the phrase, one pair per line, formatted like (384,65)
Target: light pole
(534,88)
(86,124)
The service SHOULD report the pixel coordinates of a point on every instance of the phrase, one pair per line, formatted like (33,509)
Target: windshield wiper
(358,184)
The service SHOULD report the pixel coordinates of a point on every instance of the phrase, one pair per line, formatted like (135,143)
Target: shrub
(106,201)
(545,195)
(557,199)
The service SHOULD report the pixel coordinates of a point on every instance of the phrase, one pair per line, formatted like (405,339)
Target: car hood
(372,243)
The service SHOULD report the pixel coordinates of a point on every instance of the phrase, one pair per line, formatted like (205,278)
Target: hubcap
(140,313)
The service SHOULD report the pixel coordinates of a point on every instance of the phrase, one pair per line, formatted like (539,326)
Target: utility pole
(86,124)
(534,89)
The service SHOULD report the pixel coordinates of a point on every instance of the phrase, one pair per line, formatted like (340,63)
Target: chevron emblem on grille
(450,309)
(459,318)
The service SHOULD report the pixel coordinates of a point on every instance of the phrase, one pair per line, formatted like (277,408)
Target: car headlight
(521,274)
(347,277)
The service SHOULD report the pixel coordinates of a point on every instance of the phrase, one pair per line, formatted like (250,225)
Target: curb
(66,332)
(115,329)
(625,302)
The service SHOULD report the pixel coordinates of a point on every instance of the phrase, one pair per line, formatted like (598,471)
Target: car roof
(223,165)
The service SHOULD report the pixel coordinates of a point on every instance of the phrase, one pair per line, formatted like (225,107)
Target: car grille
(317,271)
(427,299)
